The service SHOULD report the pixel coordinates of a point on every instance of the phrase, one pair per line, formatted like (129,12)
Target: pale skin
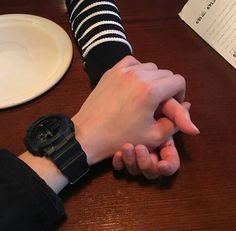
(121,110)
(140,160)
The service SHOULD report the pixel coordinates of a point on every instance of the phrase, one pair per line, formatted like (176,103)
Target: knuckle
(134,77)
(142,88)
(129,58)
(132,74)
(181,79)
(168,72)
(126,61)
(152,65)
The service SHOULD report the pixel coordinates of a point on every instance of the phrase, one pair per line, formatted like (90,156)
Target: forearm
(99,33)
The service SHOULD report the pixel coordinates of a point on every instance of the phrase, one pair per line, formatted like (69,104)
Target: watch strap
(71,160)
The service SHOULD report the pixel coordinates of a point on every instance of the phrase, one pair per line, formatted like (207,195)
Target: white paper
(215,22)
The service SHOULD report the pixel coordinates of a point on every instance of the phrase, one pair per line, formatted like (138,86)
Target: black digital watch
(53,136)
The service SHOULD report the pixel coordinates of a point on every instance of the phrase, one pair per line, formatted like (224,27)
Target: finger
(180,115)
(163,128)
(186,105)
(126,62)
(166,106)
(117,161)
(161,131)
(170,161)
(129,159)
(165,88)
(147,162)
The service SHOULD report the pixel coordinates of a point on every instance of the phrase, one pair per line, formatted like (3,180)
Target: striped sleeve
(99,33)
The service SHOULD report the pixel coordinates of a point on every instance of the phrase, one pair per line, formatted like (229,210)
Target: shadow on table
(163,182)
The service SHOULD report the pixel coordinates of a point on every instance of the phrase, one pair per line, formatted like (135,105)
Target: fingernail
(187,116)
(187,105)
(195,128)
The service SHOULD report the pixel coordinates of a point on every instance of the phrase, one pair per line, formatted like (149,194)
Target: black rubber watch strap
(71,160)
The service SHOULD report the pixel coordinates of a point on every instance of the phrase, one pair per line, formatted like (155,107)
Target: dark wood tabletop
(202,195)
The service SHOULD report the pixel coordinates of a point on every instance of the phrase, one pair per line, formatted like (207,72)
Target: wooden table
(202,196)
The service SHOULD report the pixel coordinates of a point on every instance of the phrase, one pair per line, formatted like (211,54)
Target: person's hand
(164,160)
(139,160)
(121,109)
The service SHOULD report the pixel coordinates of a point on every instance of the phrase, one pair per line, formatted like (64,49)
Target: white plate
(34,55)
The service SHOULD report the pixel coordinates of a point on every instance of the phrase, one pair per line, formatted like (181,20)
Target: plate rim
(59,72)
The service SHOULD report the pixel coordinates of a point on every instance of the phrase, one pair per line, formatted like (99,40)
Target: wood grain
(202,196)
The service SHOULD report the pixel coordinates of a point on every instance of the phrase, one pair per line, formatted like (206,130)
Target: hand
(138,160)
(121,109)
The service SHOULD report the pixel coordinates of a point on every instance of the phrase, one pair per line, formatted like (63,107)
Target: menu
(215,22)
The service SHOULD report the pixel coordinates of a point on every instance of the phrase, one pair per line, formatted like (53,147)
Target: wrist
(46,169)
(87,142)
(94,144)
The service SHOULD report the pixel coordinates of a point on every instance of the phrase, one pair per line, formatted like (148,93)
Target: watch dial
(46,129)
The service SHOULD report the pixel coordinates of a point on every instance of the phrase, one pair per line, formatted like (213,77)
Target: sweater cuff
(27,201)
(102,58)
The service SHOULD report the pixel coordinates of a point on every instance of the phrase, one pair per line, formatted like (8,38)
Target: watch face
(48,134)
(46,129)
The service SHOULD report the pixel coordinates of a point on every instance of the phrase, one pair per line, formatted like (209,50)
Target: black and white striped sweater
(99,33)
